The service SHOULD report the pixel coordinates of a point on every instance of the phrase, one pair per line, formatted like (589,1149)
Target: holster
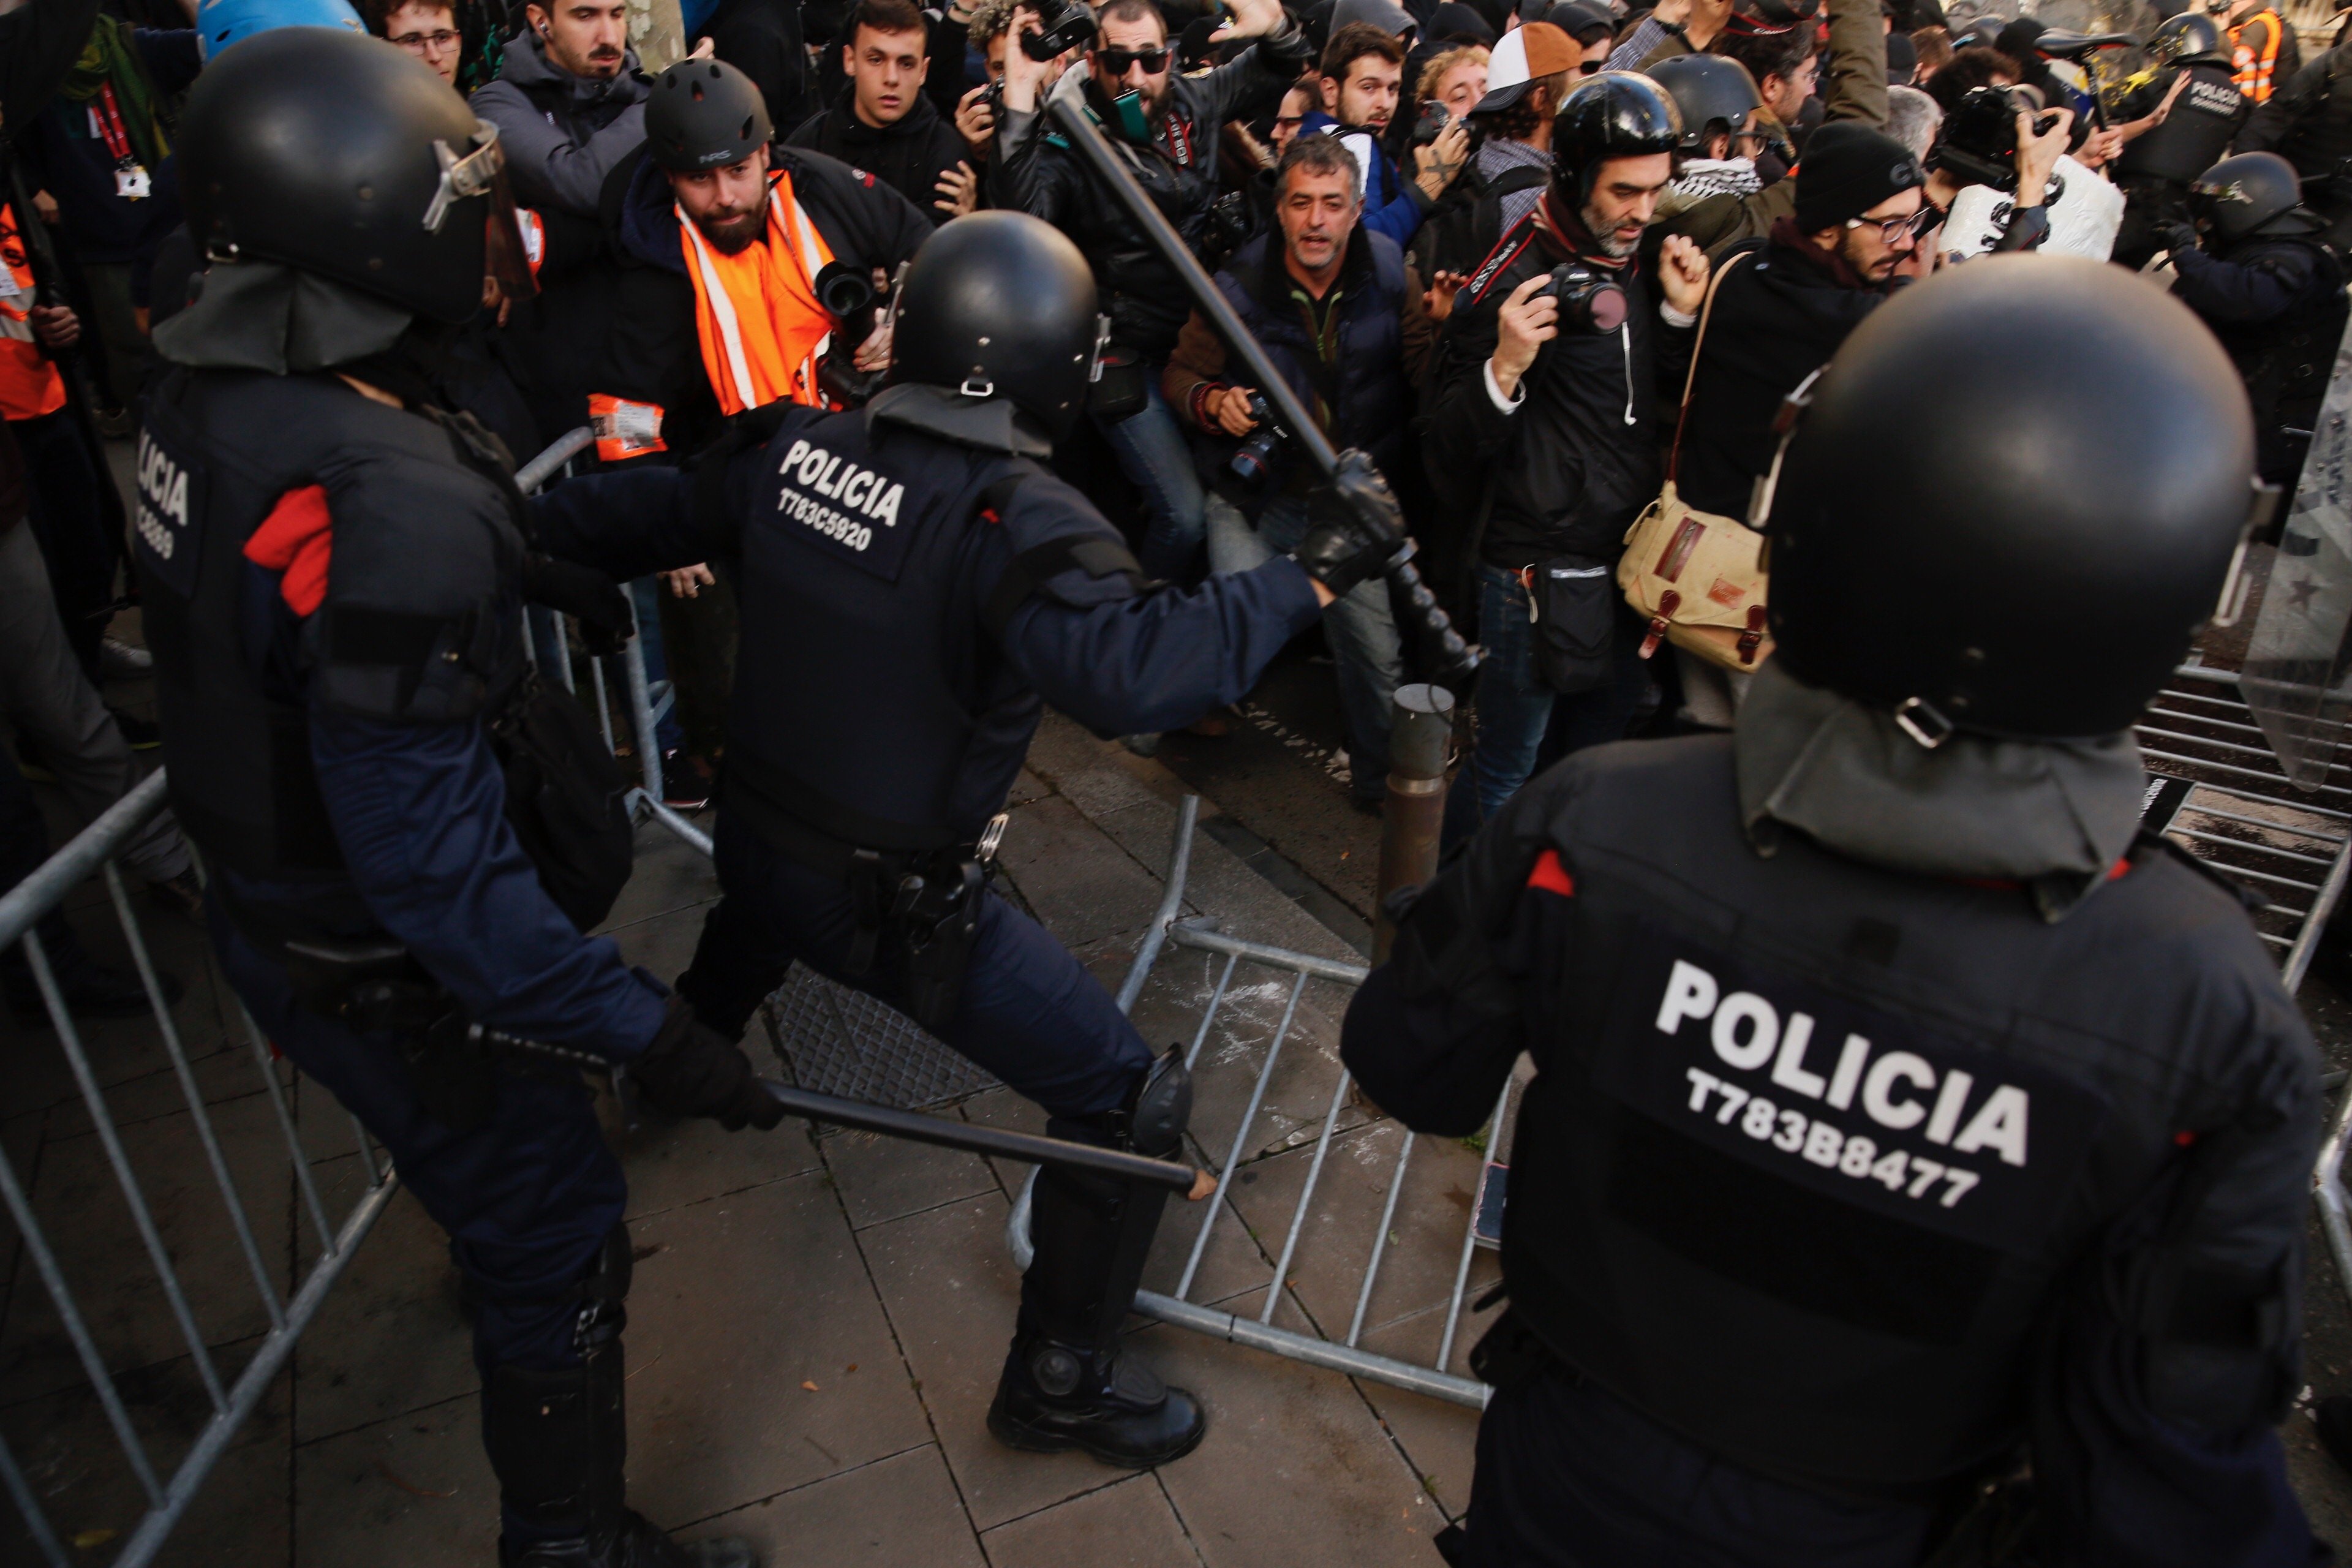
(925,908)
(374,986)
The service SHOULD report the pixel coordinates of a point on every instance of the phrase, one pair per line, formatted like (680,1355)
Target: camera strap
(1690,377)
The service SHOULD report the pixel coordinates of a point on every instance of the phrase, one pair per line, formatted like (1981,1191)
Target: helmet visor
(505,260)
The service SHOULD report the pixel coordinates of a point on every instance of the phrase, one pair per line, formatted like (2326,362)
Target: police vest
(2195,136)
(872,702)
(421,617)
(1813,1144)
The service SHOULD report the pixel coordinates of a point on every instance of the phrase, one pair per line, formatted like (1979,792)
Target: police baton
(1070,115)
(913,1126)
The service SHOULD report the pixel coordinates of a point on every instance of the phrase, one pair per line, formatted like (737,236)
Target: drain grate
(835,1040)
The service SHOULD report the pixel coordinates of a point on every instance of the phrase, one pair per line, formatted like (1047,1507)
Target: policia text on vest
(808,468)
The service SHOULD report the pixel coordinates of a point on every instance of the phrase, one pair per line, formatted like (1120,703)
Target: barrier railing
(166,1487)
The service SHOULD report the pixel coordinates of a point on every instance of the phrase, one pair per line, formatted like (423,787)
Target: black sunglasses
(1114,62)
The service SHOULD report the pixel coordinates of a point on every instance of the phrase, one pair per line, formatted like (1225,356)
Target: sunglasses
(1892,230)
(1115,62)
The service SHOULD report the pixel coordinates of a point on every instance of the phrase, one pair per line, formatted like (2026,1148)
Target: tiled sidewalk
(816,1324)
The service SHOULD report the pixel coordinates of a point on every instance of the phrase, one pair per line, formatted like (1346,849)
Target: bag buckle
(1753,637)
(1934,731)
(1668,603)
(989,838)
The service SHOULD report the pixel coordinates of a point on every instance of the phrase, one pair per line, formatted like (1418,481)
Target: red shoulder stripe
(297,540)
(1550,877)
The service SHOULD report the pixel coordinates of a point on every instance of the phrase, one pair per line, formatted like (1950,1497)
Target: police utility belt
(917,910)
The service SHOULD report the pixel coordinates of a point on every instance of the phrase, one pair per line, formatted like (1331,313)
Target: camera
(1062,25)
(1253,460)
(1433,124)
(842,290)
(1589,301)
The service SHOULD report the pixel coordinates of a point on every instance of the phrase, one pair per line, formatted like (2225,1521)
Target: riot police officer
(2191,95)
(2253,265)
(914,586)
(334,571)
(1896,1107)
(2308,121)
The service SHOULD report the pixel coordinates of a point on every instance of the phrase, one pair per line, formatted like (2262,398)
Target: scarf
(756,313)
(1702,178)
(110,58)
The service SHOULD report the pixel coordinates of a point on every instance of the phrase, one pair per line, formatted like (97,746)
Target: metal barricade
(1342,1353)
(167,1488)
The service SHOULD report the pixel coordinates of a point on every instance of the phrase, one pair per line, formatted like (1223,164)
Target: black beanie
(1847,169)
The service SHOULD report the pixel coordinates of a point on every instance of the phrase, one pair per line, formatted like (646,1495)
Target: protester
(1330,302)
(1528,78)
(1970,69)
(1362,68)
(1455,78)
(883,124)
(569,103)
(2253,265)
(1932,47)
(1169,125)
(426,28)
(1543,436)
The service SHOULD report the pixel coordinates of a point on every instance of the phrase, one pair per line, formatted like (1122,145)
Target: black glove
(2178,237)
(1354,526)
(692,1069)
(571,589)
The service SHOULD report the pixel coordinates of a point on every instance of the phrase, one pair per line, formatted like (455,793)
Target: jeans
(1153,453)
(1361,629)
(645,603)
(1522,722)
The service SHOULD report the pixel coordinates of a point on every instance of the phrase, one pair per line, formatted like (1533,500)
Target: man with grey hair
(1912,119)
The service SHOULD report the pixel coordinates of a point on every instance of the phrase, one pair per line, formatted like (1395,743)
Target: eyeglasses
(439,43)
(1892,230)
(1115,62)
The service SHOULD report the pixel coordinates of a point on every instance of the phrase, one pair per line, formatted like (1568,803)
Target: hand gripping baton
(1116,1163)
(1069,116)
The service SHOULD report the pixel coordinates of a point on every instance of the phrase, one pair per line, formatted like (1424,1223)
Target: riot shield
(2297,674)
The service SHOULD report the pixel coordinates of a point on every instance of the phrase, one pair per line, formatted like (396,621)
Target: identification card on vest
(1859,1106)
(167,526)
(842,508)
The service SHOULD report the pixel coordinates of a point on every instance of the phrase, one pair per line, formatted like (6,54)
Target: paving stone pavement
(816,1322)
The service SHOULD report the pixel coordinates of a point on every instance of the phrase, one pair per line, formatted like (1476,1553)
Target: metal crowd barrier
(167,1488)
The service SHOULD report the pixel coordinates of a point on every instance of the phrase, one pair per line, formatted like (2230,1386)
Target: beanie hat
(1847,169)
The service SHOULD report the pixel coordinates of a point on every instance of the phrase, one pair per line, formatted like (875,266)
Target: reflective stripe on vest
(2253,72)
(772,284)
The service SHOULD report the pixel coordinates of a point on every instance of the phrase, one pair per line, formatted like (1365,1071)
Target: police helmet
(2188,39)
(346,157)
(1713,93)
(2253,193)
(705,114)
(220,23)
(1000,304)
(1617,115)
(2016,555)
(1976,145)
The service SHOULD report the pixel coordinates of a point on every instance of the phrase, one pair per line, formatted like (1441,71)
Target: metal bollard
(1421,731)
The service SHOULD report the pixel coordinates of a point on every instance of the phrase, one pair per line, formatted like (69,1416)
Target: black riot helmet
(2016,555)
(705,114)
(2253,193)
(1713,93)
(344,156)
(1976,145)
(1000,304)
(1617,115)
(2191,38)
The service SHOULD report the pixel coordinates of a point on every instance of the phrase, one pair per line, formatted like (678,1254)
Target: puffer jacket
(562,133)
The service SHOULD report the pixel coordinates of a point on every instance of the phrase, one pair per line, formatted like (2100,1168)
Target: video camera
(1062,25)
(1589,301)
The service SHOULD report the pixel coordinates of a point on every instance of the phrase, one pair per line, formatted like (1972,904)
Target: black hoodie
(909,154)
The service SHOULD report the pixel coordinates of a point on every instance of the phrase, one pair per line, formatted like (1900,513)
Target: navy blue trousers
(1028,1012)
(526,1197)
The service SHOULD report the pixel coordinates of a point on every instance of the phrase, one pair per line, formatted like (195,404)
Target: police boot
(1066,1383)
(558,1441)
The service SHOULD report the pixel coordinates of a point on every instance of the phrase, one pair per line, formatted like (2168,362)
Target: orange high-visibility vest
(29,384)
(756,313)
(2255,62)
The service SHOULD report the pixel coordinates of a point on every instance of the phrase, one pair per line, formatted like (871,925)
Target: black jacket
(651,353)
(2276,301)
(1031,173)
(1569,468)
(909,154)
(2309,123)
(1778,315)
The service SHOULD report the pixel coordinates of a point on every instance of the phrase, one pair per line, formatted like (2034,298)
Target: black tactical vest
(1813,1144)
(871,704)
(421,622)
(2195,136)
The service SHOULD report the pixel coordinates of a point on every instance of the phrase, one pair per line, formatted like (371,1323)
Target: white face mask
(1700,178)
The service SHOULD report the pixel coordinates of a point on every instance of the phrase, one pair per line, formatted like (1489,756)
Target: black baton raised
(1086,138)
(911,1125)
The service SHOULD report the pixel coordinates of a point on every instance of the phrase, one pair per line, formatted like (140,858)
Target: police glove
(2178,237)
(571,589)
(1354,526)
(692,1069)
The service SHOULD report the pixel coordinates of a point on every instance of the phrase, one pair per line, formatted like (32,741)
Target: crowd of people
(1558,279)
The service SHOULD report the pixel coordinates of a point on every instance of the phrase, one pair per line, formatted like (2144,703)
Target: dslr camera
(1433,124)
(1062,25)
(1253,460)
(1589,300)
